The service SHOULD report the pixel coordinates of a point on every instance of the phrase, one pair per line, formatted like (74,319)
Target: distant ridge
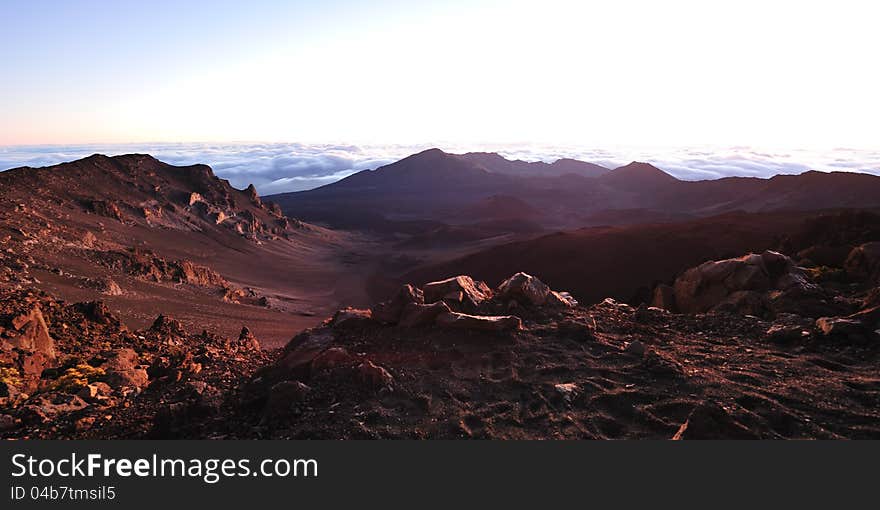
(439,187)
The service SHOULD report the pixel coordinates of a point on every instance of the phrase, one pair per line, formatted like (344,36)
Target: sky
(592,75)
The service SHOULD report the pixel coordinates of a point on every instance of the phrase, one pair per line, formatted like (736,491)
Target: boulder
(299,352)
(664,297)
(524,288)
(416,315)
(755,284)
(459,291)
(247,340)
(351,317)
(389,312)
(30,333)
(863,262)
(124,371)
(455,320)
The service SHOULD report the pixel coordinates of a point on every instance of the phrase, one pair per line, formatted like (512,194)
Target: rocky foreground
(751,347)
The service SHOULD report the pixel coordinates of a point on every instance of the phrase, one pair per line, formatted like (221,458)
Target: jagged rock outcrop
(460,292)
(252,195)
(149,265)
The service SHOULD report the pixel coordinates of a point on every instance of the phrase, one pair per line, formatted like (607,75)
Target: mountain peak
(639,169)
(433,152)
(638,176)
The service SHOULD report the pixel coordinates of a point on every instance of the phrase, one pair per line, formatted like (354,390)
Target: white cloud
(281,167)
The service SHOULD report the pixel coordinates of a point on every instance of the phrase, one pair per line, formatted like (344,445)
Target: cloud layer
(282,167)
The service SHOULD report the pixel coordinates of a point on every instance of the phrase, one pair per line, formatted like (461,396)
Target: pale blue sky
(592,73)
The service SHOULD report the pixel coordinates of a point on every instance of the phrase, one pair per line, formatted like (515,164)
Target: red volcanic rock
(29,332)
(863,262)
(348,317)
(32,365)
(194,274)
(389,312)
(299,352)
(524,288)
(455,320)
(417,314)
(664,297)
(247,340)
(458,290)
(529,290)
(108,287)
(123,370)
(252,195)
(753,284)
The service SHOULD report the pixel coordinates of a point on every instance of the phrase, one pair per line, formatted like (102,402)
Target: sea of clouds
(283,167)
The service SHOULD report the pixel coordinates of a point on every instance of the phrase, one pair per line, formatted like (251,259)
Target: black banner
(146,474)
